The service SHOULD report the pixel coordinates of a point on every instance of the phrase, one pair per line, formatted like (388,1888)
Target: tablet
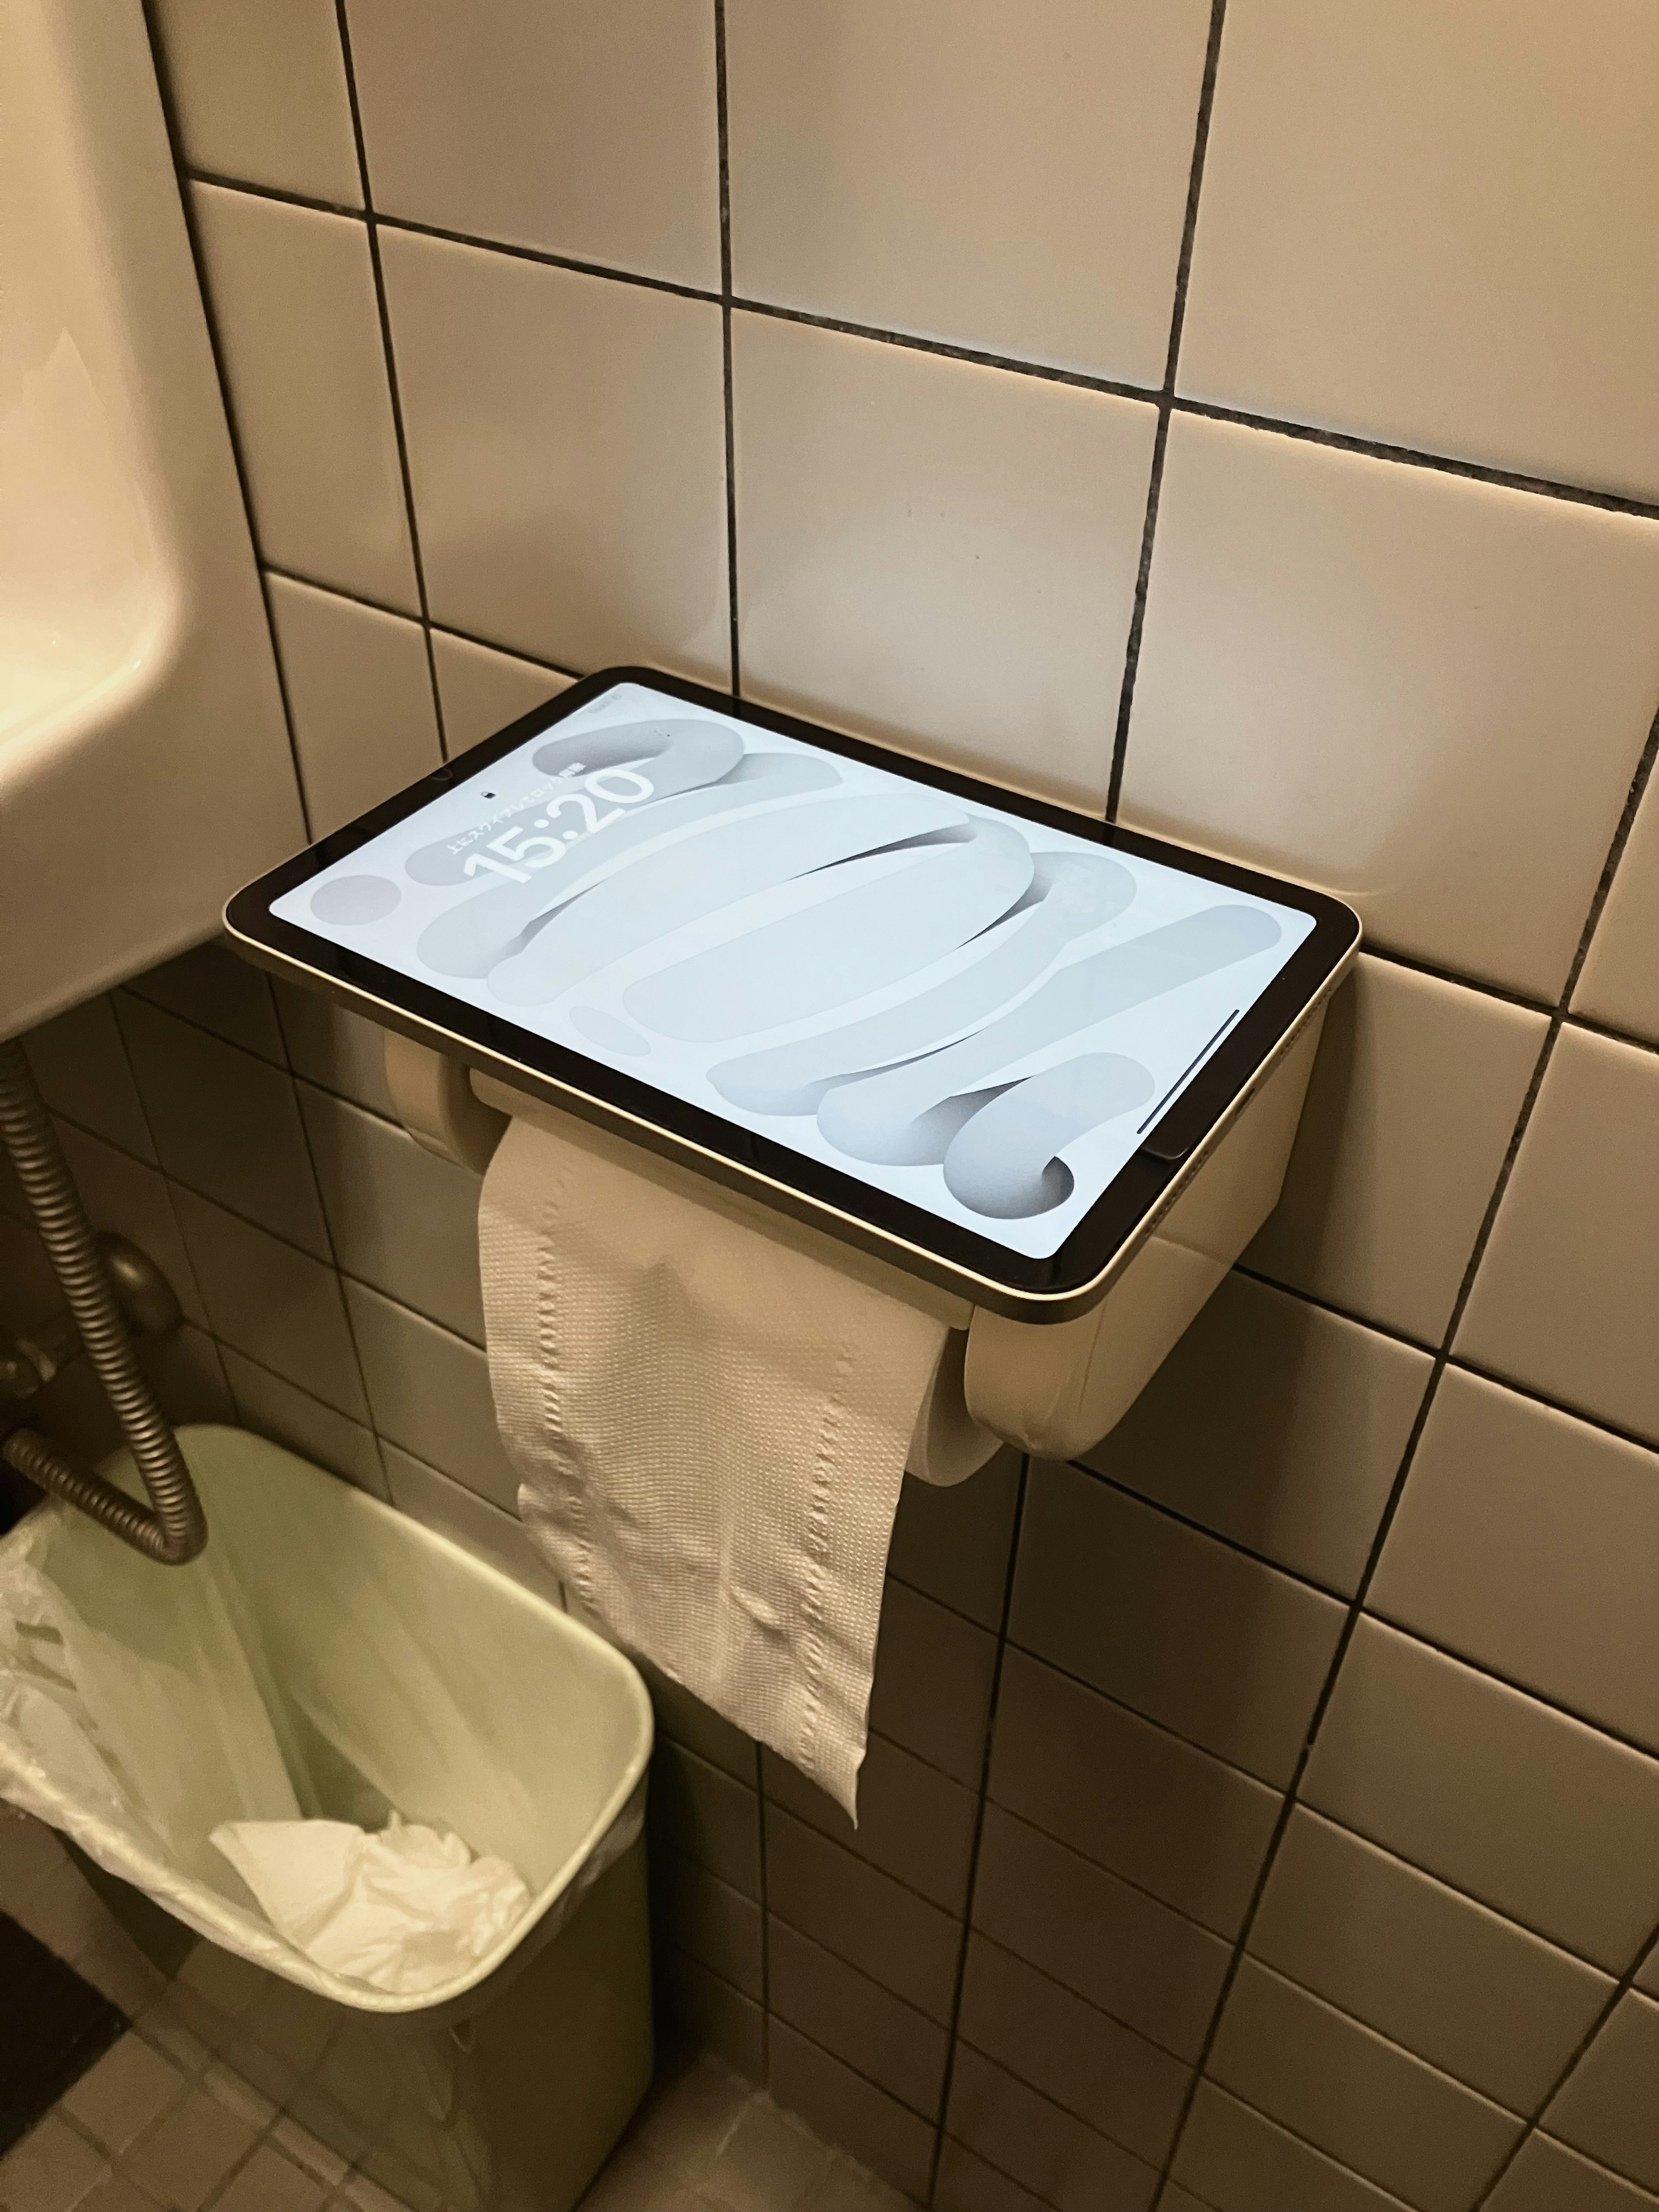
(981,1035)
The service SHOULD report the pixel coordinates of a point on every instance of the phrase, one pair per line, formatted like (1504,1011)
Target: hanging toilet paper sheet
(711,1429)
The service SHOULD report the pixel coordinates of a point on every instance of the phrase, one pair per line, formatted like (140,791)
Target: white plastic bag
(325,1660)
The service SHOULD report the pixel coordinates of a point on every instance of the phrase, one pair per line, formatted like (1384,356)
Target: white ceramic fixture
(144,764)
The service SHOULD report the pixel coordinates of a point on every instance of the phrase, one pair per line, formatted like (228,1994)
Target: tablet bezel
(978,1268)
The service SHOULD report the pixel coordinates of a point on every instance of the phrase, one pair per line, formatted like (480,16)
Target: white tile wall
(1408,1118)
(292,295)
(1437,225)
(567,440)
(1054,140)
(1619,984)
(587,132)
(1426,231)
(261,94)
(359,700)
(481,690)
(1375,678)
(940,553)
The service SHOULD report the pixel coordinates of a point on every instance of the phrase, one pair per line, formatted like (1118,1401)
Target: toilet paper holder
(1053,1388)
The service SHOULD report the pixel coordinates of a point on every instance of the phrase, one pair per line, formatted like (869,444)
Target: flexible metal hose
(171,1529)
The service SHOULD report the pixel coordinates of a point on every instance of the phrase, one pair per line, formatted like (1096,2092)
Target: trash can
(397,1674)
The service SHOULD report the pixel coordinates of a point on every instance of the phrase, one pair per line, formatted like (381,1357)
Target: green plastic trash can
(399,1673)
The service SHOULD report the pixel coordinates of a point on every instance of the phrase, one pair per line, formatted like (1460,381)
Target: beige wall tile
(403,1220)
(1132,1796)
(889,2042)
(915,1822)
(259,90)
(942,555)
(1098,2069)
(1277,1423)
(586,131)
(1056,241)
(216,989)
(1411,1110)
(1619,984)
(1405,2125)
(276,1304)
(1529,1542)
(932,1691)
(966,2183)
(360,698)
(340,1051)
(1547,2176)
(1396,684)
(429,1392)
(1568,1292)
(123,1195)
(1608,2107)
(225,1122)
(1109,1942)
(1226,1651)
(844,2108)
(80,1067)
(567,440)
(707,1814)
(481,690)
(272,1407)
(710,2014)
(954,1544)
(1028,2136)
(716,1924)
(1542,1818)
(1434,225)
(468,1520)
(699,1727)
(1244,2162)
(1440,1975)
(863,1916)
(293,298)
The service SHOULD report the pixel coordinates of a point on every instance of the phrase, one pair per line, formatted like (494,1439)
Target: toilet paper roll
(711,1425)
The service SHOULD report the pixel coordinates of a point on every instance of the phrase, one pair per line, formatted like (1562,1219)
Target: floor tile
(131,2086)
(270,2183)
(182,2161)
(768,2163)
(52,2170)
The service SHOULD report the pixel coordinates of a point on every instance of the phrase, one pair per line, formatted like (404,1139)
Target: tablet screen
(964,1008)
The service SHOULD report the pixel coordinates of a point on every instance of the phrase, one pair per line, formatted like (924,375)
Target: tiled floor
(158,2124)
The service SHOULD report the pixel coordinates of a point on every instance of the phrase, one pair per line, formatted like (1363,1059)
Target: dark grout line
(1325,1305)
(722,119)
(1126,697)
(1166,402)
(438,629)
(1208,1534)
(510,248)
(953,2026)
(1412,456)
(947,349)
(1112,387)
(1459,1364)
(1616,1997)
(239,458)
(1638,783)
(394,395)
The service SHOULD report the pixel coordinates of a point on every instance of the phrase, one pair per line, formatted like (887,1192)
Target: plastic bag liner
(324,1658)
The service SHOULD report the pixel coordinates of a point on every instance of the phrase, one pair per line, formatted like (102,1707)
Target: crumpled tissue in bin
(406,1908)
(147,1699)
